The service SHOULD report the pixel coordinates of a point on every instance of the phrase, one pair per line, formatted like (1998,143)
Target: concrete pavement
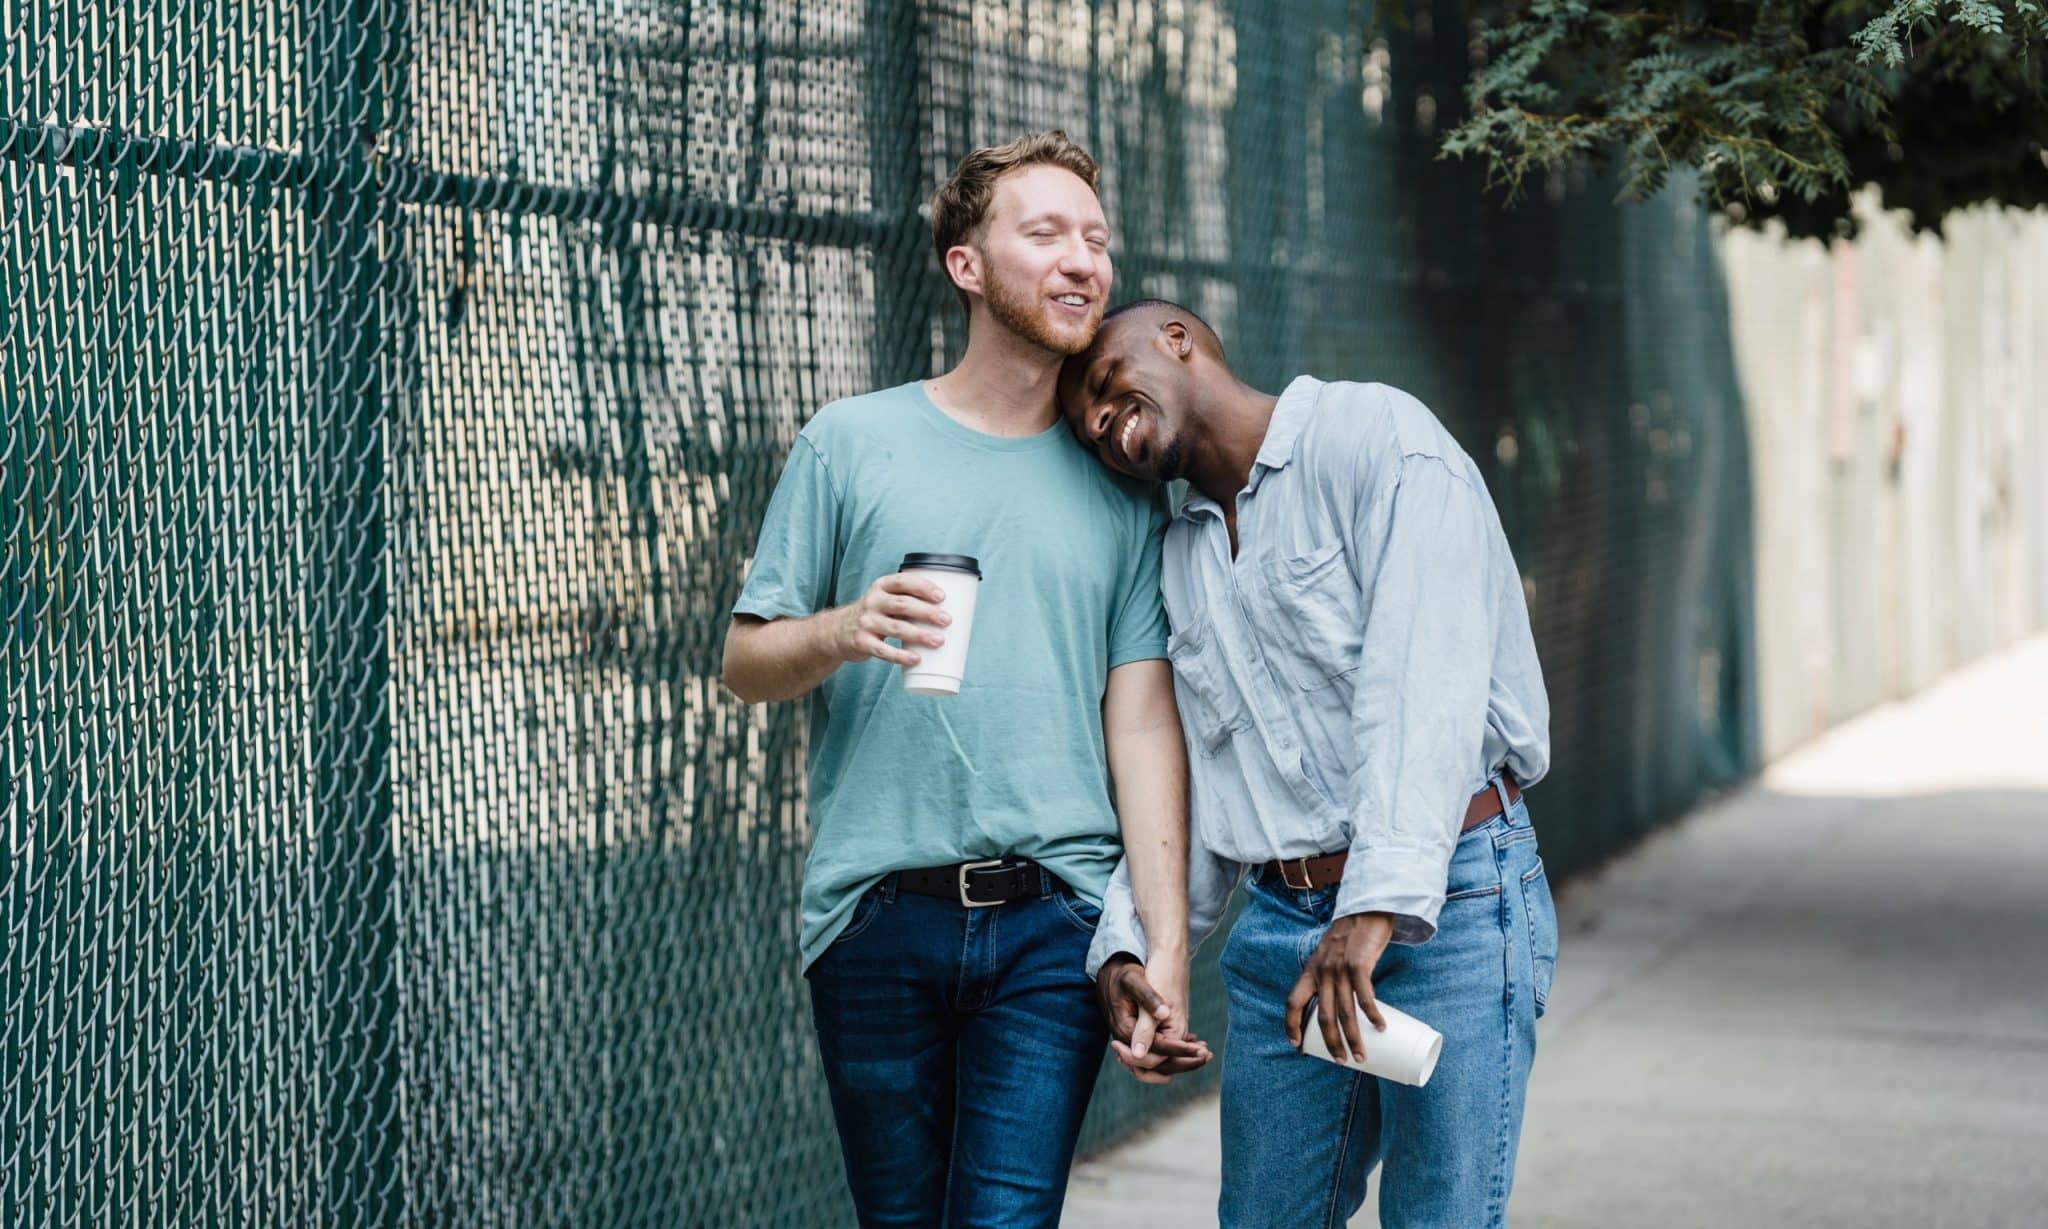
(1819,1001)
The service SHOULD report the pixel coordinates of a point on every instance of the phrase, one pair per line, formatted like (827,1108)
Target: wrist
(837,629)
(1116,962)
(1371,923)
(1169,951)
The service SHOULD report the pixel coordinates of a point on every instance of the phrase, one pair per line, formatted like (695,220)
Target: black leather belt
(977,885)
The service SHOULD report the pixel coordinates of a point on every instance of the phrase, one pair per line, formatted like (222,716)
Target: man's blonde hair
(960,206)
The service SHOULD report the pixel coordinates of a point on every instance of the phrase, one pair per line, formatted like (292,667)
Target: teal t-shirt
(1014,764)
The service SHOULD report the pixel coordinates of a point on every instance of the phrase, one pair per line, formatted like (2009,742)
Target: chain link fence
(392,390)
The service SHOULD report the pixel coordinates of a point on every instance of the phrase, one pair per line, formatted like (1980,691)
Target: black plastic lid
(942,563)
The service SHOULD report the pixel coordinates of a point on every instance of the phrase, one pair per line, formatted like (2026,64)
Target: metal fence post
(893,46)
(349,58)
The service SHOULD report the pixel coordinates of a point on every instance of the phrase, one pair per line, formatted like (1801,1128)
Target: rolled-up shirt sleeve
(1420,695)
(1211,880)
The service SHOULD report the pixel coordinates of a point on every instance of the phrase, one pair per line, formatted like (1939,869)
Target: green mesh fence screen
(392,390)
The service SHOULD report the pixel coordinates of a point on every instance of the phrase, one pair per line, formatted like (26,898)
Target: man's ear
(1179,342)
(963,265)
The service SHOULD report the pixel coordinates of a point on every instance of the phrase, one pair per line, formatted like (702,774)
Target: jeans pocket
(865,911)
(1084,916)
(1542,914)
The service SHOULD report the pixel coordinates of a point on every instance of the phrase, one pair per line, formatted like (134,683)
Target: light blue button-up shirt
(1356,673)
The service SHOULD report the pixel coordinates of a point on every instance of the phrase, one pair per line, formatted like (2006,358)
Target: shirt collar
(1290,417)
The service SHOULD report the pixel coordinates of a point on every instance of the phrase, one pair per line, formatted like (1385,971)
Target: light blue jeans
(1300,1134)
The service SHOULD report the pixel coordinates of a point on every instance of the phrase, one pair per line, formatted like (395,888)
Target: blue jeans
(961,1047)
(1300,1134)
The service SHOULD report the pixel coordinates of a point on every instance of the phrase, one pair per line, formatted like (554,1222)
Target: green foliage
(1784,108)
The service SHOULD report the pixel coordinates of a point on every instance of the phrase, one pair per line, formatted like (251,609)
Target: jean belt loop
(1500,788)
(888,885)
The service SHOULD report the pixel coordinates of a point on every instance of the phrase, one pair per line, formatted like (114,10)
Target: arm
(1211,880)
(1148,764)
(783,640)
(1143,987)
(1419,716)
(1117,960)
(781,659)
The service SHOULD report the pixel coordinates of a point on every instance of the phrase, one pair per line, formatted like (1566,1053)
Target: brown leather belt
(1308,874)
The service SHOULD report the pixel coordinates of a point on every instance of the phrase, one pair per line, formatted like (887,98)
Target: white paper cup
(940,671)
(1406,1053)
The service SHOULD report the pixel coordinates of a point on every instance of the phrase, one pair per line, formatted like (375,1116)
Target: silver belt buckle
(965,869)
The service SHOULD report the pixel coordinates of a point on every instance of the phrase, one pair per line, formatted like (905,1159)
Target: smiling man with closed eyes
(1362,705)
(961,843)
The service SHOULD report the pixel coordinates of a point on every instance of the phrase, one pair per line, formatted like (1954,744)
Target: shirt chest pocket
(1318,617)
(1210,707)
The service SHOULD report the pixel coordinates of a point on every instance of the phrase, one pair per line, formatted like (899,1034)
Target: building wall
(1899,428)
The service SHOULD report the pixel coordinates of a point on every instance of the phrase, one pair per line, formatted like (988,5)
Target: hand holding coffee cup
(958,580)
(900,606)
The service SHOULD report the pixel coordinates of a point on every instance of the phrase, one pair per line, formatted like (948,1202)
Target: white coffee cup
(941,669)
(1406,1053)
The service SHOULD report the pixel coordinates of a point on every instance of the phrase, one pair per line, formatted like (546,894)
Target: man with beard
(1358,683)
(961,844)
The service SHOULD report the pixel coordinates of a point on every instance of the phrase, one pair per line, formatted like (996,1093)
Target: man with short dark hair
(961,843)
(1363,706)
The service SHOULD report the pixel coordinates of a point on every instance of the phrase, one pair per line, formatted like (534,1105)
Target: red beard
(1022,311)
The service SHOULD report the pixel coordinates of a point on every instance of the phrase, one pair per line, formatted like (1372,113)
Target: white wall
(1899,435)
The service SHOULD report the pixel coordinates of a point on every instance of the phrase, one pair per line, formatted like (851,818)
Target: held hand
(1339,973)
(1167,977)
(897,606)
(1130,1004)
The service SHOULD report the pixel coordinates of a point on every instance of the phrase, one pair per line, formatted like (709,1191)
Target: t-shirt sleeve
(796,559)
(1137,628)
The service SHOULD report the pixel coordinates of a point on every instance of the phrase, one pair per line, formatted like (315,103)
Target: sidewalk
(1820,1001)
